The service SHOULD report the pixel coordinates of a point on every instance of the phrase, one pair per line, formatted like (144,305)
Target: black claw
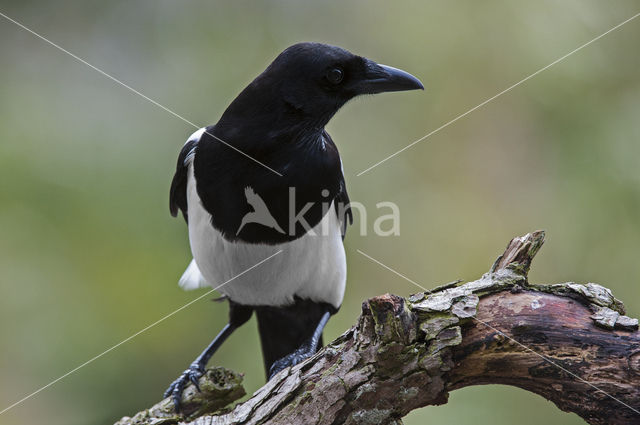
(275,368)
(292,359)
(194,381)
(168,391)
(176,388)
(176,402)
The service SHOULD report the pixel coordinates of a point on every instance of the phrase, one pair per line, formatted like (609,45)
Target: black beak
(382,78)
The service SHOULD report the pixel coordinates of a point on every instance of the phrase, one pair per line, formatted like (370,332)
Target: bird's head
(312,81)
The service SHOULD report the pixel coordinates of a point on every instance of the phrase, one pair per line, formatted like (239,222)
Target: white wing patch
(192,278)
(195,137)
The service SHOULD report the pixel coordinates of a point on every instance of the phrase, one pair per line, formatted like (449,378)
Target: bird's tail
(192,278)
(284,329)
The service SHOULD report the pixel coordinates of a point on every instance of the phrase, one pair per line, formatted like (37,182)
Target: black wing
(341,201)
(178,193)
(343,207)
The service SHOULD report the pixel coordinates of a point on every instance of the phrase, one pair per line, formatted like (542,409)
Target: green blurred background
(89,254)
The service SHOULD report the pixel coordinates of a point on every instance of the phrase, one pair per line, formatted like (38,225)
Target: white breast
(312,266)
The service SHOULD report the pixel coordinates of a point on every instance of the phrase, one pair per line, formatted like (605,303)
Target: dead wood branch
(570,343)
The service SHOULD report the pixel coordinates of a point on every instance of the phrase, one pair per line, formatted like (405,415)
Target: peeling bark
(568,342)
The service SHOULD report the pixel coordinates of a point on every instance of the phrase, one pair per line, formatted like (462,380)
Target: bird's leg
(196,368)
(238,315)
(305,351)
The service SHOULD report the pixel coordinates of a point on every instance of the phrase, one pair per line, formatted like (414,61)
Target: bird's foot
(176,388)
(298,356)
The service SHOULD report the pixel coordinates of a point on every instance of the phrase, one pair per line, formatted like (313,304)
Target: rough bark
(568,342)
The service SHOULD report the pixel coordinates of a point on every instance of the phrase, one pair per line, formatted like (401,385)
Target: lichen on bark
(219,387)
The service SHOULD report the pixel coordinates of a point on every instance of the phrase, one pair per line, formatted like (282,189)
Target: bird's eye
(335,75)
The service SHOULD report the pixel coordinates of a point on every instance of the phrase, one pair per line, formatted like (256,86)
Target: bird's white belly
(312,266)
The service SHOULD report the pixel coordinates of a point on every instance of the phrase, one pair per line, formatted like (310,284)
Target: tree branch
(568,342)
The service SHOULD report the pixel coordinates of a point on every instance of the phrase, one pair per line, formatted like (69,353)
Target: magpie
(267,179)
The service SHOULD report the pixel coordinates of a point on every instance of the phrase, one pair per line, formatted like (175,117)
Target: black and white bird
(266,181)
